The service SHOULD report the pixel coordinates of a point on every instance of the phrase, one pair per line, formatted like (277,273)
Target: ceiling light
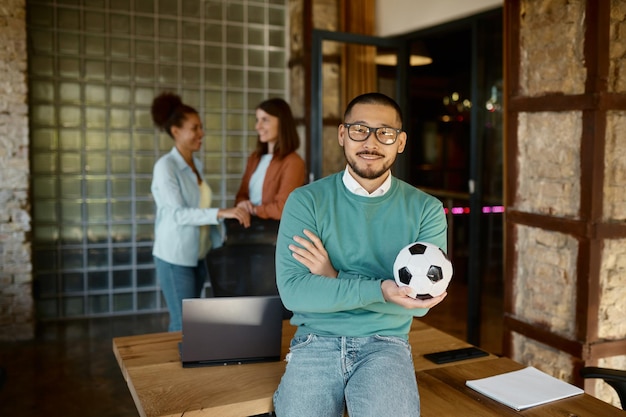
(392,60)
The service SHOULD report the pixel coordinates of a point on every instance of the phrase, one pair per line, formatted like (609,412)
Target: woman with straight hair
(274,169)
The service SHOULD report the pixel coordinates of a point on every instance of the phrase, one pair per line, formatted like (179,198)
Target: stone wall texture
(296,51)
(612,280)
(612,311)
(545,288)
(16,301)
(614,204)
(617,48)
(543,357)
(552,39)
(325,16)
(549,163)
(549,177)
(297,72)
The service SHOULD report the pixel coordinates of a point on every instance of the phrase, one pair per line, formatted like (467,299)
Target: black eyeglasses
(360,133)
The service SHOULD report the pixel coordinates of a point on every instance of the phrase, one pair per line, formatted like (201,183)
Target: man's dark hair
(373,98)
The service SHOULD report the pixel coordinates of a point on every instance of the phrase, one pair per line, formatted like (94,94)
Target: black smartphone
(455,355)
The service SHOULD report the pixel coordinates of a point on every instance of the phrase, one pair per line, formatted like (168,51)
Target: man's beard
(368,173)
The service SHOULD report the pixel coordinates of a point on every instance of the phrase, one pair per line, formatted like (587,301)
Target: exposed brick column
(566,186)
(306,15)
(16,301)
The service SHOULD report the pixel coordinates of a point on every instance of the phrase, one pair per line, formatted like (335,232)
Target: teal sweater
(362,236)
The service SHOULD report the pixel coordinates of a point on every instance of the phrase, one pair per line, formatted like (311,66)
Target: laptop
(261,231)
(231,330)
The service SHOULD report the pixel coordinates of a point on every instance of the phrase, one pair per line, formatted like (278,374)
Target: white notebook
(525,388)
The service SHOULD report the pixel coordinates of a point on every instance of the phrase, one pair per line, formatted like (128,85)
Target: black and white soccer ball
(423,267)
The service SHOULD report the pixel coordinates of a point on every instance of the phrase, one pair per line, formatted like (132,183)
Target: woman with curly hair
(182,232)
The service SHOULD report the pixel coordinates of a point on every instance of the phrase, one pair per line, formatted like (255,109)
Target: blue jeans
(371,376)
(178,282)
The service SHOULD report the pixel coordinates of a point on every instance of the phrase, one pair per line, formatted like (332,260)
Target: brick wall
(16,301)
(566,217)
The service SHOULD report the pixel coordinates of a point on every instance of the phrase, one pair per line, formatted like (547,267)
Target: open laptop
(231,330)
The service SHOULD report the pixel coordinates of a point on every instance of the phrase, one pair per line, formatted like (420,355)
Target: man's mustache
(370,153)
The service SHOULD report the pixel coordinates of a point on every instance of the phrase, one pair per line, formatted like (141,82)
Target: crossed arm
(312,254)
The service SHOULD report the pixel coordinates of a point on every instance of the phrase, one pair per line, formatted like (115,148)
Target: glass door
(455,153)
(345,65)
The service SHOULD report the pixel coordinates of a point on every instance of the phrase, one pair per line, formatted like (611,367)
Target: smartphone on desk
(455,355)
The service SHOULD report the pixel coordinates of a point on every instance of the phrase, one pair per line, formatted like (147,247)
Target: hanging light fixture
(419,56)
(392,60)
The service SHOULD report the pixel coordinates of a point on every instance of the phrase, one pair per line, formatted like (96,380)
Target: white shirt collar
(354,187)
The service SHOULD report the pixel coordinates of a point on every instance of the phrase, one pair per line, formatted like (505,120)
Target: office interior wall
(94,68)
(396,17)
(16,303)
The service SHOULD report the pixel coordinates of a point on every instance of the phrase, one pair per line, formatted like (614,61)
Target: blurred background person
(244,265)
(182,232)
(274,169)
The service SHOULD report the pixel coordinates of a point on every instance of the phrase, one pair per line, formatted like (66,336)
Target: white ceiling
(396,17)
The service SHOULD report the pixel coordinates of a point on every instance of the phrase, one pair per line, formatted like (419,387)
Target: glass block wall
(94,68)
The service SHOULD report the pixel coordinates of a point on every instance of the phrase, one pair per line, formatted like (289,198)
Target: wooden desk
(161,387)
(443,393)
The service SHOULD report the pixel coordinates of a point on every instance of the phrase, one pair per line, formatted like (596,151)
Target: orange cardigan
(282,177)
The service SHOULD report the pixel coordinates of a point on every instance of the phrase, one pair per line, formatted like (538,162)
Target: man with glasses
(337,243)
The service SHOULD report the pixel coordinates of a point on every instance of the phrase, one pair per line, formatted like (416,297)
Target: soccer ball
(424,268)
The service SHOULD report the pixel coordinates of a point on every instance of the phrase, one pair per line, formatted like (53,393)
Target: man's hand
(399,295)
(312,254)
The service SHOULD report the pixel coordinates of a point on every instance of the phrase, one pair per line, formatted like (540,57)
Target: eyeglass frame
(370,131)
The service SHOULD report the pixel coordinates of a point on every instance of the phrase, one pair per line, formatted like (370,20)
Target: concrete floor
(69,369)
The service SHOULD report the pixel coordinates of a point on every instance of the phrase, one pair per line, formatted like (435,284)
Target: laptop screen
(231,330)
